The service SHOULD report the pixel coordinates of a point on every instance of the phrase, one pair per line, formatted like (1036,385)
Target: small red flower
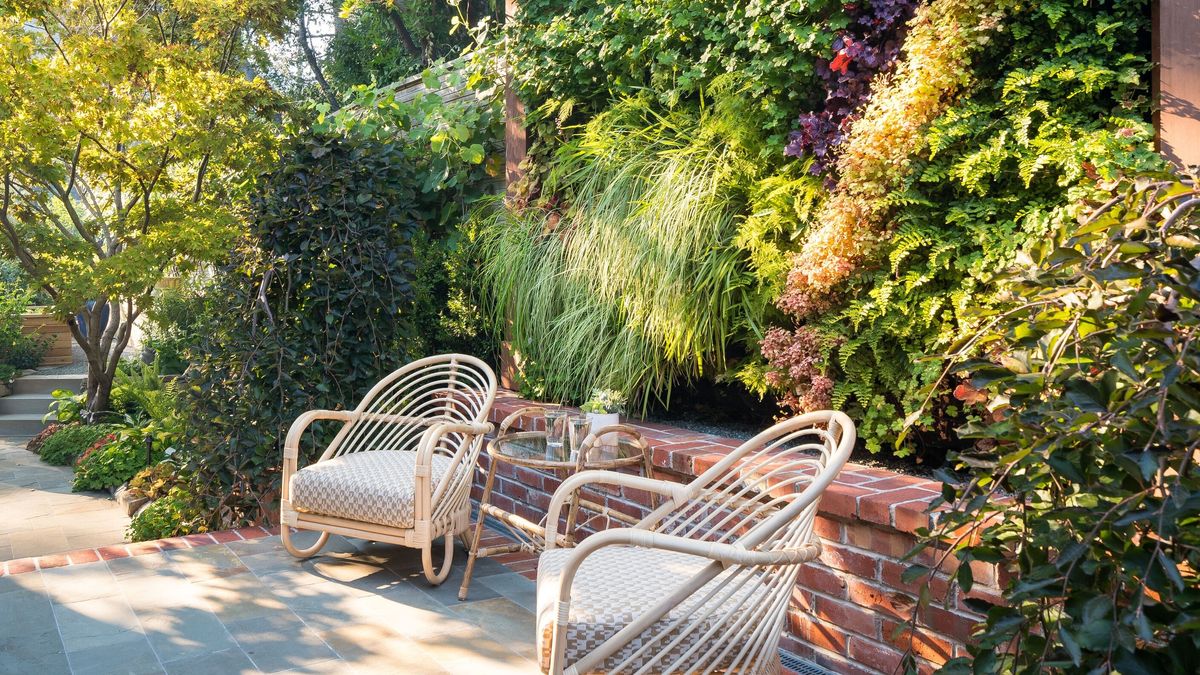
(840,63)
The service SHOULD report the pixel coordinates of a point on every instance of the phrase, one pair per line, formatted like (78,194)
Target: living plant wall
(803,196)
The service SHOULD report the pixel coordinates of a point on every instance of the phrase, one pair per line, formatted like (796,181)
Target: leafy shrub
(35,444)
(66,444)
(332,258)
(174,515)
(1090,421)
(111,464)
(1002,164)
(320,300)
(7,373)
(17,349)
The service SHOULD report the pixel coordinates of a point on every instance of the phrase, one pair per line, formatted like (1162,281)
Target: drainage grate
(801,666)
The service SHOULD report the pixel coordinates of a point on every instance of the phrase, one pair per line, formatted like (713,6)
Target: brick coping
(90,555)
(877,496)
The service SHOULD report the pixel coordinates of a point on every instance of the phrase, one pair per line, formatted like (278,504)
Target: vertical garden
(803,198)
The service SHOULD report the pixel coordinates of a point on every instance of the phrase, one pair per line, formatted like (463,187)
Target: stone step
(25,404)
(20,425)
(44,384)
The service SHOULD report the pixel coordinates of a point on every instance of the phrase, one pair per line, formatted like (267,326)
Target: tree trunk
(405,37)
(313,64)
(103,349)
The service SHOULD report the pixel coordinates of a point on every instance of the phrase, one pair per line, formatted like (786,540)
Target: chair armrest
(726,554)
(428,495)
(433,436)
(678,492)
(291,446)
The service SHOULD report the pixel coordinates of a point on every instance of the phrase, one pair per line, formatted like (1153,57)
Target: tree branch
(406,39)
(200,177)
(74,165)
(311,57)
(46,29)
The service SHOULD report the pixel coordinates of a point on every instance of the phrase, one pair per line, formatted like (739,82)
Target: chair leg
(427,561)
(285,533)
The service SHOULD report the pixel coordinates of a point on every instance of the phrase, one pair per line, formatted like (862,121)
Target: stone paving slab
(198,606)
(39,515)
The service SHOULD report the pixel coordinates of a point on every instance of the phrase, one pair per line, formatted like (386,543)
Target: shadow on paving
(39,515)
(249,606)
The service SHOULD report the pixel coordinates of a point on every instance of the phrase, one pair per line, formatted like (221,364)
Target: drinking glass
(556,433)
(581,426)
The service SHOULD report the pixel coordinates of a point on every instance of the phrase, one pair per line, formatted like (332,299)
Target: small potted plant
(604,409)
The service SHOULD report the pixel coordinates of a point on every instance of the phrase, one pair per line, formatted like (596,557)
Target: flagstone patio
(39,514)
(248,606)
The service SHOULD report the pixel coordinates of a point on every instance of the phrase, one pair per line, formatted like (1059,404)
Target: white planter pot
(601,420)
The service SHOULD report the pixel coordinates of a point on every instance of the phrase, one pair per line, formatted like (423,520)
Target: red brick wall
(847,606)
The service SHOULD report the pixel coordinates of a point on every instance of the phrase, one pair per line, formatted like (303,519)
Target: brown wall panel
(1177,51)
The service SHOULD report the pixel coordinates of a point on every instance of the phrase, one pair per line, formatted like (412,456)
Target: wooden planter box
(59,352)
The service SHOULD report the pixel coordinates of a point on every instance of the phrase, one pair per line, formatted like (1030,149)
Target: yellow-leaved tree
(128,131)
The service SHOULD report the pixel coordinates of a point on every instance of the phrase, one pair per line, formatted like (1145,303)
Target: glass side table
(612,447)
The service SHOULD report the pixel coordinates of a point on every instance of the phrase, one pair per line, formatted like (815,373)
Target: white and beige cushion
(614,586)
(375,486)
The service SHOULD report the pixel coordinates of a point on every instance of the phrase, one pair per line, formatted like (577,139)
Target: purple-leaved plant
(870,45)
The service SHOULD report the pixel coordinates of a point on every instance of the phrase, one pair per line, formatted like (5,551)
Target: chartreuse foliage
(126,130)
(634,285)
(1001,167)
(1085,481)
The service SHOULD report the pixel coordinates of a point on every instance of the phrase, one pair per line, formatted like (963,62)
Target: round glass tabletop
(531,448)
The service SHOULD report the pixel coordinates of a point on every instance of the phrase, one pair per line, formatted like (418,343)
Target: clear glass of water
(556,433)
(580,427)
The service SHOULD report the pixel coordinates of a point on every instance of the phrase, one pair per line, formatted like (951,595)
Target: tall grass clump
(628,277)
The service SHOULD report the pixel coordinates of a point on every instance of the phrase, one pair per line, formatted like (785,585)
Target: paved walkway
(39,514)
(248,606)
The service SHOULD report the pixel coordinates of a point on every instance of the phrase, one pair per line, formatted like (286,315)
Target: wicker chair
(703,583)
(400,468)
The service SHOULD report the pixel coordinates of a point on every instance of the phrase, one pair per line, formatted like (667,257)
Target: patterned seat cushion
(615,585)
(374,486)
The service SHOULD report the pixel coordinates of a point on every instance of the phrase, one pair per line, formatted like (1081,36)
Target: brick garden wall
(846,606)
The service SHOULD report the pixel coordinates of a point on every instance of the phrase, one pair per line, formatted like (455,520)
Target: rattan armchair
(400,468)
(702,584)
